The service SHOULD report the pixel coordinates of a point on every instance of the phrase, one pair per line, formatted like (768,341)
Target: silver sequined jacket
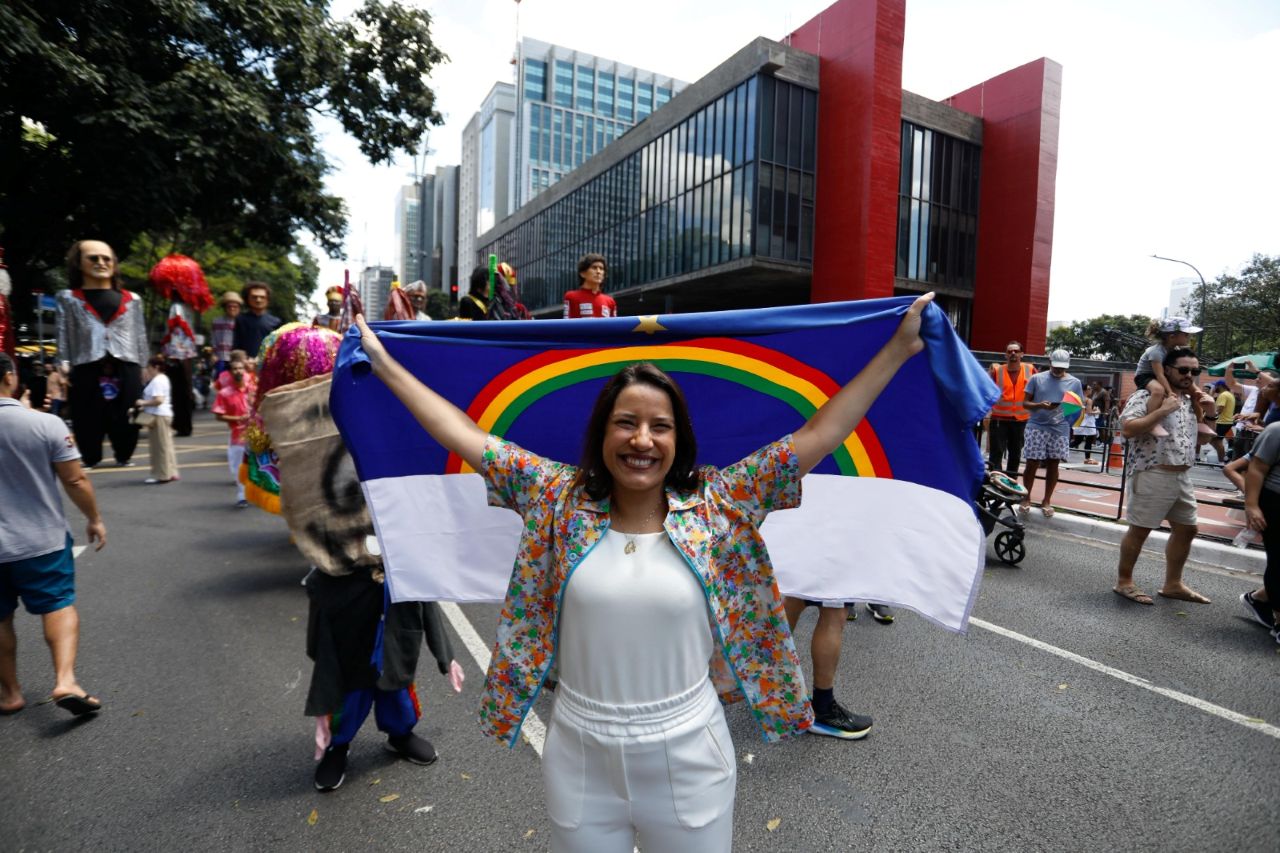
(83,336)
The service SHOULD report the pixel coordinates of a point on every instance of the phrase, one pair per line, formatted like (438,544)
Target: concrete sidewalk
(1252,560)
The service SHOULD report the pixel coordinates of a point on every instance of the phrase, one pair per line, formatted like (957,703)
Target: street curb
(1202,551)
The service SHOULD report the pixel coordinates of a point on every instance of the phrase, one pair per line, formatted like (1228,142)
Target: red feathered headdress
(181,277)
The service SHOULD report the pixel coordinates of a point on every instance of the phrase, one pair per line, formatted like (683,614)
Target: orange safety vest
(1009,405)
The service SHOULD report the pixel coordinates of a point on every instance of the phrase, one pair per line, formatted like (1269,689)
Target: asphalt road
(193,625)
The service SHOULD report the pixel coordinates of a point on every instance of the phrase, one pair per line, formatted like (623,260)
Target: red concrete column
(1020,111)
(859,49)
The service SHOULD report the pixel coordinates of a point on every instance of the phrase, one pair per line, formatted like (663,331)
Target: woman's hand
(1254,519)
(378,355)
(907,337)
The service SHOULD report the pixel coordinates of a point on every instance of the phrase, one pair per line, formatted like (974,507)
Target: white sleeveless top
(634,627)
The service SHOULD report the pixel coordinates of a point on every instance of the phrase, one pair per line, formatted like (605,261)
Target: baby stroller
(995,507)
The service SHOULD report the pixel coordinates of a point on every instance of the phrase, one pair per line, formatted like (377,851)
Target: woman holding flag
(673,601)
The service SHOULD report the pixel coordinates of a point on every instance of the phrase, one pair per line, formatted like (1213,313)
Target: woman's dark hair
(593,475)
(75,276)
(159,363)
(479,280)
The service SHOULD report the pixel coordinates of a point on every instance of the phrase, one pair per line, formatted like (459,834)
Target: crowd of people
(638,495)
(1164,423)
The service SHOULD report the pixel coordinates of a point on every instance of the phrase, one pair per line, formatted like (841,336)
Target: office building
(738,193)
(427,229)
(565,107)
(375,284)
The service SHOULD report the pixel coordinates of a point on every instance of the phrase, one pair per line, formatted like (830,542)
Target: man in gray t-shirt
(36,563)
(1048,437)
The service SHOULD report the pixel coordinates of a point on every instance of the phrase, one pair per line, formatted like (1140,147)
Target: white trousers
(235,455)
(664,771)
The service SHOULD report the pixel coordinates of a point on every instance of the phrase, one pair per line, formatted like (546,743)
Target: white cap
(1178,324)
(1059,358)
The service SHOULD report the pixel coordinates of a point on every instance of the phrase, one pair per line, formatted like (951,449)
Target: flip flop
(1024,510)
(78,706)
(1134,594)
(1046,511)
(1186,595)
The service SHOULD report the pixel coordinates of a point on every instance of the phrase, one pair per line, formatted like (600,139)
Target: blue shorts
(45,583)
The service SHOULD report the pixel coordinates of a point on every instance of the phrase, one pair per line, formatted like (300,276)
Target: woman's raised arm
(442,420)
(840,415)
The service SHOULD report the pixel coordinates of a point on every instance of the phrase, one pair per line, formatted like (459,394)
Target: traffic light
(453,293)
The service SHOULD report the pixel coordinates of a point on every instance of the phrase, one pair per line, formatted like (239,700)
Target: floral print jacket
(715,528)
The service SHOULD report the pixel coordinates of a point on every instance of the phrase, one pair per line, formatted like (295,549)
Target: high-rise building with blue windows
(564,108)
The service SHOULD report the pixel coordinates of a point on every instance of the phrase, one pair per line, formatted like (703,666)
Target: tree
(194,116)
(1242,314)
(440,307)
(1110,337)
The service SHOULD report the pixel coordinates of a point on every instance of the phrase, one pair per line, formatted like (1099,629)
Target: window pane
(795,125)
(752,93)
(535,80)
(604,95)
(716,160)
(644,100)
(626,98)
(810,144)
(564,84)
(781,122)
(586,88)
(764,211)
(663,95)
(767,87)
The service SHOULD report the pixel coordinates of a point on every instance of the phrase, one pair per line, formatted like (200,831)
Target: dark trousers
(1005,436)
(179,373)
(93,416)
(1269,503)
(1088,444)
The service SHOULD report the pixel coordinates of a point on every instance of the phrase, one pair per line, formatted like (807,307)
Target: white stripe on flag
(871,539)
(852,539)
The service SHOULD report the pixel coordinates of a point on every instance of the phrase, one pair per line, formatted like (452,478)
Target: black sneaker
(882,613)
(838,722)
(413,748)
(332,768)
(1258,612)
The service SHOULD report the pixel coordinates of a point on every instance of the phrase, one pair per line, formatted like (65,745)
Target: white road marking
(1137,681)
(533,730)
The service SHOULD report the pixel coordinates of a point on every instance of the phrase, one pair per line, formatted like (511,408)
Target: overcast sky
(1170,115)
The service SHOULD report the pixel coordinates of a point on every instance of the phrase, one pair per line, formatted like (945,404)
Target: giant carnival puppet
(364,647)
(179,279)
(103,337)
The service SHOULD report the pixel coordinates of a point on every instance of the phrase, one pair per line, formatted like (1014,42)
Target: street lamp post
(1204,300)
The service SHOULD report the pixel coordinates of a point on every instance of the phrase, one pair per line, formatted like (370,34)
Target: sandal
(1185,594)
(1024,509)
(1134,594)
(1046,510)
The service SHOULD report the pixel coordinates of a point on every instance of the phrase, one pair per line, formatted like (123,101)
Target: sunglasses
(1194,371)
(105,259)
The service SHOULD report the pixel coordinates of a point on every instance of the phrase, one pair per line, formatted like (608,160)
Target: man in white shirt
(36,560)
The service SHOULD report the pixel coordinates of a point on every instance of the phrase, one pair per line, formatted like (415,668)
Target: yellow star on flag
(649,325)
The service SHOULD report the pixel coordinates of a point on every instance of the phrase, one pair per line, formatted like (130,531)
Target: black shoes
(413,748)
(332,768)
(839,723)
(882,613)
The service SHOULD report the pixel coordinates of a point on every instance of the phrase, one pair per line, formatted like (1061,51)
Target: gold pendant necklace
(631,537)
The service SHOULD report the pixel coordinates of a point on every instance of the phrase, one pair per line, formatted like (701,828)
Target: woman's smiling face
(640,439)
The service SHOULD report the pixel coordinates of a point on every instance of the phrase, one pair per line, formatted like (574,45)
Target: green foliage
(1110,337)
(440,307)
(145,116)
(1243,311)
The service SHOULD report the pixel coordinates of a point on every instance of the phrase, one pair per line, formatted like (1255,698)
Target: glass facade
(733,179)
(937,208)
